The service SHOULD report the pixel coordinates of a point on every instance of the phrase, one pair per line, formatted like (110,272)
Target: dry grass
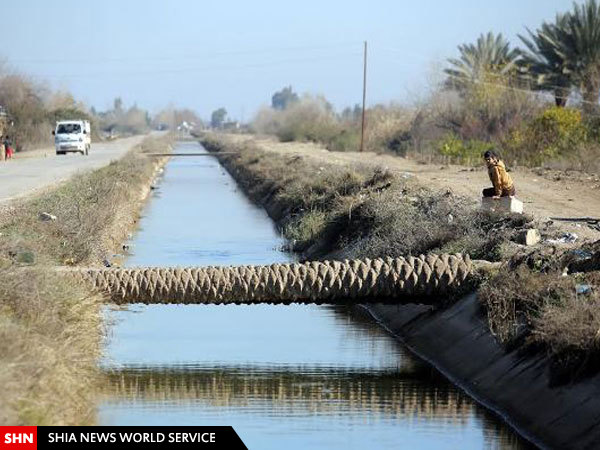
(389,129)
(515,297)
(94,212)
(50,335)
(307,228)
(570,330)
(531,304)
(361,212)
(583,158)
(50,329)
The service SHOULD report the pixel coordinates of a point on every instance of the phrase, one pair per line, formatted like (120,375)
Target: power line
(283,62)
(513,88)
(325,58)
(547,90)
(189,57)
(520,76)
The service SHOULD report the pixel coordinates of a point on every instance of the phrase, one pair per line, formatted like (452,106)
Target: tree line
(561,57)
(31,108)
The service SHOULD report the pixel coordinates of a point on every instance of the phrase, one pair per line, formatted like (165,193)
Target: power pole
(362,131)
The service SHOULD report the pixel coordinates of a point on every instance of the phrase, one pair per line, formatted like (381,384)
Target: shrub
(389,128)
(319,190)
(532,304)
(569,329)
(33,114)
(461,151)
(305,228)
(347,140)
(310,119)
(513,300)
(488,109)
(592,124)
(556,132)
(483,112)
(22,99)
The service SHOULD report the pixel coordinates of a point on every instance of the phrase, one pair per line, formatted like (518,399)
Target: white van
(72,136)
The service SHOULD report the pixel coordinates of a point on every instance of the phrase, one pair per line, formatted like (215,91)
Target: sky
(236,54)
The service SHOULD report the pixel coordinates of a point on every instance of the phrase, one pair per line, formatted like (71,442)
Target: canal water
(282,376)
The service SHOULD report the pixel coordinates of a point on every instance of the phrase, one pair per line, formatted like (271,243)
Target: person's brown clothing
(501,180)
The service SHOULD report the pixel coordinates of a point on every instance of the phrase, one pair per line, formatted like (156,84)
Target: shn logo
(18,438)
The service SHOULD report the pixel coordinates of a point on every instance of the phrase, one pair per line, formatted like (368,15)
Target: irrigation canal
(297,376)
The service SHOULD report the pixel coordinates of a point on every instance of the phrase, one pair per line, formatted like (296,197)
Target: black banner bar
(97,437)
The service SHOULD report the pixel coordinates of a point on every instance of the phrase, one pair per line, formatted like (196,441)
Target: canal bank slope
(337,212)
(50,328)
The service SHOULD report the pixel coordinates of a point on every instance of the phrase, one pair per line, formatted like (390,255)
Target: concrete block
(529,237)
(502,204)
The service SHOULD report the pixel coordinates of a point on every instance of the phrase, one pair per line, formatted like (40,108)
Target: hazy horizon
(207,55)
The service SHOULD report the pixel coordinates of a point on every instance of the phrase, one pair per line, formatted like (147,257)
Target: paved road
(23,176)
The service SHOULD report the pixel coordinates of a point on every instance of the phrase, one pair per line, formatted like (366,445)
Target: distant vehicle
(72,136)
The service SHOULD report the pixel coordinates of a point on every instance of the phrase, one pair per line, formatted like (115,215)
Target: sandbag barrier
(391,280)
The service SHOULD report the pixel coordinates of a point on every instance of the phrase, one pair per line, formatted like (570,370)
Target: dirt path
(544,194)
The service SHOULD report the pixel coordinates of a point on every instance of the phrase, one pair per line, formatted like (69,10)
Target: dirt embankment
(51,328)
(545,193)
(313,196)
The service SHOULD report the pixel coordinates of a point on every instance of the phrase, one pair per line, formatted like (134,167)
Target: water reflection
(297,391)
(373,405)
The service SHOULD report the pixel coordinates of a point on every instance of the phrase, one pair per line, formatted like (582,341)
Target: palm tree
(580,45)
(545,62)
(490,55)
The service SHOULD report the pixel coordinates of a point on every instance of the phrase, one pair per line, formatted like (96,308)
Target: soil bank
(457,341)
(50,328)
